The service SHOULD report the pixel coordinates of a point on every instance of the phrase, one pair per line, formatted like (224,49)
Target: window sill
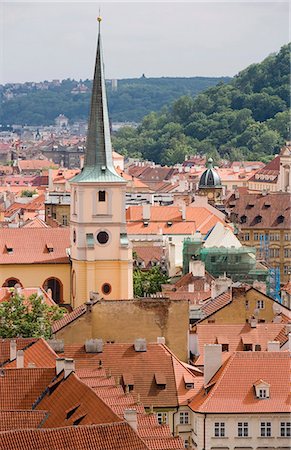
(219,437)
(266,437)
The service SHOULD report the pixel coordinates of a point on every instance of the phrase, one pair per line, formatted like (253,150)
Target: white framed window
(263,393)
(247,236)
(184,418)
(219,429)
(266,429)
(256,236)
(285,429)
(260,304)
(162,417)
(243,429)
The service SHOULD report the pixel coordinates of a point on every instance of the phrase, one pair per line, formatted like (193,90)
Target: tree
(148,282)
(29,317)
(28,193)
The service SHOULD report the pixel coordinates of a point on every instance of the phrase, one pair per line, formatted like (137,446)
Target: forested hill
(247,118)
(41,103)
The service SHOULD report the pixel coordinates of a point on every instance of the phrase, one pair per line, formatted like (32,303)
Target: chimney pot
(94,346)
(57,345)
(273,346)
(140,345)
(69,366)
(60,365)
(161,340)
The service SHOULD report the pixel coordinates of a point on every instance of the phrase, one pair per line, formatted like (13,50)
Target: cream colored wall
(124,321)
(34,275)
(91,275)
(231,440)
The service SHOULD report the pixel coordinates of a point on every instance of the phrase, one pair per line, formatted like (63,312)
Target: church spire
(98,164)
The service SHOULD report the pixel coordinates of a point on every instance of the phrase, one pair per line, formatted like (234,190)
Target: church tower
(100,251)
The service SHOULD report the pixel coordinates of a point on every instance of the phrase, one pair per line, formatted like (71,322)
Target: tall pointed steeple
(98,164)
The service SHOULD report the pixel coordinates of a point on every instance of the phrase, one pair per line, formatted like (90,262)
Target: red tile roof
(16,420)
(20,388)
(109,436)
(68,318)
(233,385)
(38,353)
(29,245)
(22,343)
(215,304)
(35,164)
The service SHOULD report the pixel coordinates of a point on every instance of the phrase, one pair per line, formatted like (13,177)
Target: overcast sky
(49,40)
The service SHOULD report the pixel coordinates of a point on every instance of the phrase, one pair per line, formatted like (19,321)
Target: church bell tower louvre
(100,251)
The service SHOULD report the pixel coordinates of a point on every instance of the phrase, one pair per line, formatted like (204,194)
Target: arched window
(11,282)
(75,201)
(56,287)
(101,196)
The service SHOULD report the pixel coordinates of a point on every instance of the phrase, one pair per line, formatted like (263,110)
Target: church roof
(98,166)
(210,177)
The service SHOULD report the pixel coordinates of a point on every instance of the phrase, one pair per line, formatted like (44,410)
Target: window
(285,429)
(162,417)
(101,196)
(248,348)
(212,259)
(260,304)
(102,237)
(274,236)
(247,305)
(243,219)
(242,429)
(184,418)
(106,288)
(287,252)
(287,237)
(247,236)
(219,429)
(263,393)
(65,220)
(274,252)
(256,236)
(224,347)
(265,429)
(287,270)
(258,348)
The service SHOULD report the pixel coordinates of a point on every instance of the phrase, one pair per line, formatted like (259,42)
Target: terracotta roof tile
(5,347)
(39,353)
(68,318)
(113,436)
(233,385)
(15,420)
(29,245)
(215,304)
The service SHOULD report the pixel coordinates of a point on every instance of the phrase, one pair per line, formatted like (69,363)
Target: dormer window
(145,223)
(128,381)
(262,389)
(160,380)
(169,223)
(189,382)
(9,248)
(280,219)
(243,219)
(50,247)
(258,219)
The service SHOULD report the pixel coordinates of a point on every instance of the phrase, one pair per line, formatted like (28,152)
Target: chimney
(289,342)
(273,346)
(146,212)
(69,366)
(130,416)
(13,349)
(287,328)
(161,340)
(253,322)
(57,345)
(140,345)
(219,286)
(197,268)
(212,360)
(60,365)
(20,359)
(183,211)
(31,365)
(94,346)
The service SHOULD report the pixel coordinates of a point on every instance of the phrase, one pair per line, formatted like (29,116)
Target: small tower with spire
(100,252)
(210,184)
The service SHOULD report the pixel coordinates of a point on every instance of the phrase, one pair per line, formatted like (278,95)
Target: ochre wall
(238,312)
(124,321)
(34,275)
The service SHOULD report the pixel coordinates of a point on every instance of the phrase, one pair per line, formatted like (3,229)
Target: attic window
(280,219)
(262,389)
(50,247)
(71,411)
(243,219)
(160,380)
(189,382)
(145,223)
(267,204)
(9,248)
(128,380)
(250,204)
(258,219)
(169,223)
(79,419)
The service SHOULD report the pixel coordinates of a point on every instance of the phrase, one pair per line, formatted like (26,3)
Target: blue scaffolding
(273,284)
(264,247)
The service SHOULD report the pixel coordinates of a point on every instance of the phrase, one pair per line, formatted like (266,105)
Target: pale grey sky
(48,40)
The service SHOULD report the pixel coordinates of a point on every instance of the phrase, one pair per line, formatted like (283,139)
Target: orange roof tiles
(21,343)
(233,385)
(68,318)
(29,245)
(35,164)
(38,353)
(20,388)
(15,420)
(215,304)
(113,436)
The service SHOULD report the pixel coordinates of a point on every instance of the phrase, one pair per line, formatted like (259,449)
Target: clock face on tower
(102,237)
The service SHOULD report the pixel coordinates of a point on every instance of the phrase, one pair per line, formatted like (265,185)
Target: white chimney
(13,349)
(140,345)
(212,360)
(183,210)
(20,359)
(130,416)
(146,212)
(69,366)
(289,342)
(197,268)
(161,340)
(57,345)
(253,322)
(288,328)
(273,346)
(60,365)
(94,346)
(219,286)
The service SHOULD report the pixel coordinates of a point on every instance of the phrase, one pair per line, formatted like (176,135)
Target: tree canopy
(247,118)
(31,317)
(148,282)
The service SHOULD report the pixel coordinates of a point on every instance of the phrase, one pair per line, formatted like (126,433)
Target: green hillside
(133,99)
(247,118)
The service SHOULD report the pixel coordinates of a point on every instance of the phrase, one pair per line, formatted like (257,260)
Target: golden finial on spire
(99,19)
